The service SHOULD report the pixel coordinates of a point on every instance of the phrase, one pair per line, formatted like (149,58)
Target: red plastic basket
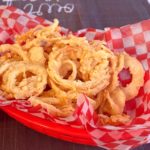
(63,132)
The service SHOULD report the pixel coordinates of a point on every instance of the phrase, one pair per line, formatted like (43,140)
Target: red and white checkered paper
(135,40)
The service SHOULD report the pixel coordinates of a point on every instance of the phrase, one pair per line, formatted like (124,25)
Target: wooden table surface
(75,15)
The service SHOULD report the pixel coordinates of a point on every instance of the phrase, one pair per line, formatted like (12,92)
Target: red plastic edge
(49,128)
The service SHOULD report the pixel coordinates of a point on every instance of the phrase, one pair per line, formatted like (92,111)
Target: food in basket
(51,70)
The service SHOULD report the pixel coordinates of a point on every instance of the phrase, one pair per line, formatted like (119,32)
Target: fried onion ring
(85,58)
(137,72)
(114,102)
(28,80)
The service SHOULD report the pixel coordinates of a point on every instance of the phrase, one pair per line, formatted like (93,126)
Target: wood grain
(87,13)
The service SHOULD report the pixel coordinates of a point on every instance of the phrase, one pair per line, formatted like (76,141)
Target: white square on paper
(11,22)
(147,36)
(128,42)
(22,20)
(116,34)
(136,28)
(141,49)
(4,36)
(97,133)
(145,64)
(123,147)
(90,35)
(6,14)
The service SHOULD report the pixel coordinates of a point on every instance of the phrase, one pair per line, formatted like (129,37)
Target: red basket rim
(63,132)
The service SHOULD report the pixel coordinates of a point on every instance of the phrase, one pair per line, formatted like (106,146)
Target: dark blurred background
(77,14)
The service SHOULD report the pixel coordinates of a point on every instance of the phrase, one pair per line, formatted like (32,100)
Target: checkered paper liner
(135,40)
